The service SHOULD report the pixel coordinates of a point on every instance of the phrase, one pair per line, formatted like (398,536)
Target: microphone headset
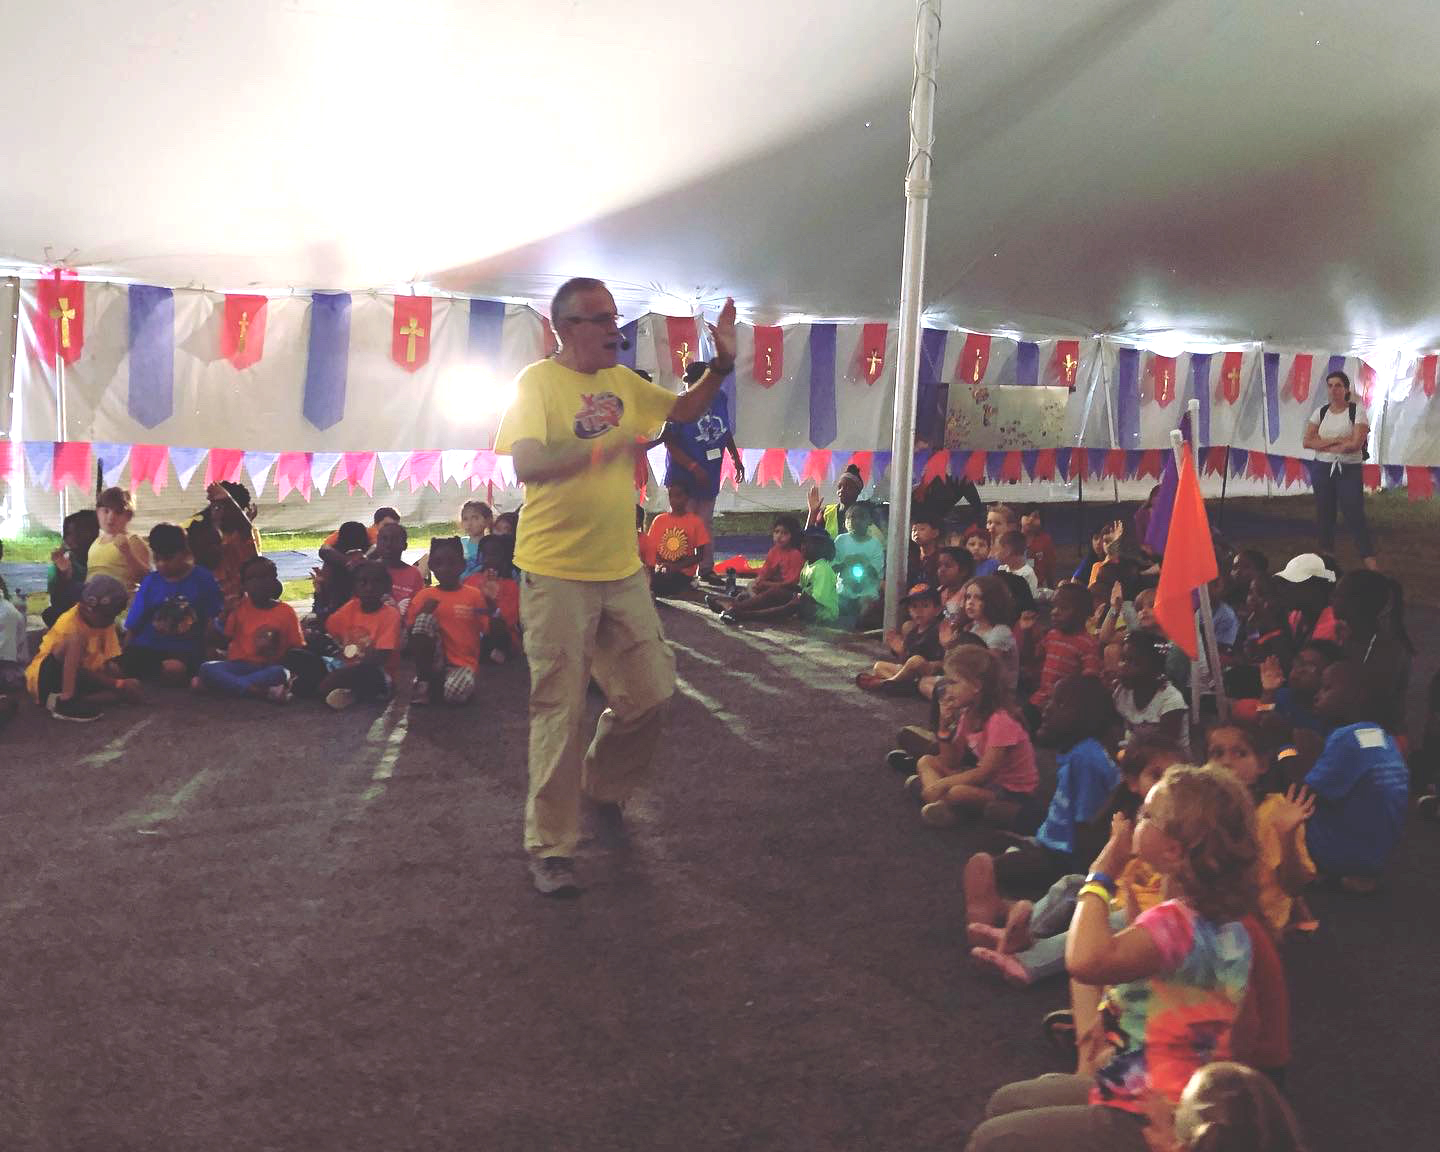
(624,342)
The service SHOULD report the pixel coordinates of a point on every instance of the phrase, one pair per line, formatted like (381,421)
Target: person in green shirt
(819,597)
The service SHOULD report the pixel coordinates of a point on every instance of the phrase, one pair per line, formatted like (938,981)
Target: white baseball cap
(1306,566)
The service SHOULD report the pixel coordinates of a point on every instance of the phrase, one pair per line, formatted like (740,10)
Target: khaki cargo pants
(573,629)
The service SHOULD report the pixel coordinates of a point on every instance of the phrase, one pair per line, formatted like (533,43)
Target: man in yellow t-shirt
(574,430)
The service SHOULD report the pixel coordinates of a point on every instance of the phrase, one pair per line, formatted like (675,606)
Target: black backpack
(1320,415)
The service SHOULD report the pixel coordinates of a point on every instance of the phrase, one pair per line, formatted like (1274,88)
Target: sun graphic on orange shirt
(674,543)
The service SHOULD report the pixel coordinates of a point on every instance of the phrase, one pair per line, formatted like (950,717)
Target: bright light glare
(473,391)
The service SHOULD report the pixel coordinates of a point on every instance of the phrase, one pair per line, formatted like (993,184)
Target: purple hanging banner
(994,466)
(328,363)
(1395,475)
(1027,364)
(627,354)
(487,326)
(1031,459)
(879,465)
(1127,397)
(1271,364)
(929,405)
(1062,463)
(152,354)
(1336,364)
(1200,390)
(823,419)
(1239,460)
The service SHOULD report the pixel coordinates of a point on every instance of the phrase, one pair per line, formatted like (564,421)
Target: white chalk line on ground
(736,724)
(115,749)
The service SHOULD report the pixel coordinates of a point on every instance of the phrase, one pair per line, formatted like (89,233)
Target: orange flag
(1189,560)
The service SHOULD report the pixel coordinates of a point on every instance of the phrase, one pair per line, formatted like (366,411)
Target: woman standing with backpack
(1336,433)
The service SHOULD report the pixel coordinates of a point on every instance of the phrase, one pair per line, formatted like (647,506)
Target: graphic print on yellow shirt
(581,527)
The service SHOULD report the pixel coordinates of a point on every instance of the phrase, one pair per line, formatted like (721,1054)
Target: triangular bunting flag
(72,465)
(393,464)
(322,467)
(149,463)
(257,467)
(112,459)
(186,461)
(795,462)
(423,471)
(456,464)
(292,474)
(40,460)
(223,464)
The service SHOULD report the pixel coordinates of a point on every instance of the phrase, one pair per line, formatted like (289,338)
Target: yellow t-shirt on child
(104,558)
(1276,904)
(101,646)
(581,527)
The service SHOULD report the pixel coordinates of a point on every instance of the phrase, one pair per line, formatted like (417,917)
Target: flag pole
(912,283)
(1207,615)
(60,489)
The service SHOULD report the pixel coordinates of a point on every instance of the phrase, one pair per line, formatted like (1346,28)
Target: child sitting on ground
(777,582)
(76,668)
(1011,554)
(678,536)
(643,543)
(14,644)
(1031,946)
(1226,1107)
(506,524)
(495,580)
(366,631)
(818,599)
(447,626)
(115,552)
(171,615)
(1078,721)
(405,579)
(956,568)
(859,566)
(262,631)
(977,543)
(1148,703)
(1069,649)
(924,549)
(1176,977)
(476,520)
(1360,781)
(68,563)
(382,517)
(989,613)
(334,579)
(918,651)
(982,726)
(1038,544)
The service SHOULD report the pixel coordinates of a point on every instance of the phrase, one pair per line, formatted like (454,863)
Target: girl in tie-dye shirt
(1175,978)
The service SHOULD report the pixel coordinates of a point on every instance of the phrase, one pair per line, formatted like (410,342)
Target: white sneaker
(340,699)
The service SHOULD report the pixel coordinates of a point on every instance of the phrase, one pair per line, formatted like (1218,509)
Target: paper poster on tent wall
(383,404)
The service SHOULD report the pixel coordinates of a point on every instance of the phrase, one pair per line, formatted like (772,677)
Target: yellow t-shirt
(1277,905)
(581,527)
(101,646)
(104,558)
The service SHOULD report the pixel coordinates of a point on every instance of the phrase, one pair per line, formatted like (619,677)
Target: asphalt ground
(243,926)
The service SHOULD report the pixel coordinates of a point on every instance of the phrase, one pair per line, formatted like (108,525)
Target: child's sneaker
(901,761)
(280,693)
(73,709)
(938,814)
(340,699)
(914,786)
(420,693)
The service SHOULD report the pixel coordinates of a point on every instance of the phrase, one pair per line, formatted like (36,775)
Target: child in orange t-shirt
(366,630)
(261,631)
(447,628)
(495,580)
(677,536)
(643,542)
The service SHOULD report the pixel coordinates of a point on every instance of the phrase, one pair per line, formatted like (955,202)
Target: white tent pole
(912,285)
(60,428)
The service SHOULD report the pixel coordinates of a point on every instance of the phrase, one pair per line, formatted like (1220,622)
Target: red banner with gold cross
(242,332)
(1162,374)
(974,358)
(1066,364)
(1230,376)
(60,319)
(1299,383)
(410,332)
(769,354)
(1427,375)
(872,351)
(681,334)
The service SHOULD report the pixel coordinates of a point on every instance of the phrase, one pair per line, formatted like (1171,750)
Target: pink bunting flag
(292,474)
(223,464)
(482,469)
(727,473)
(8,458)
(423,470)
(72,465)
(865,461)
(1372,477)
(1011,469)
(1420,482)
(817,468)
(357,469)
(771,469)
(975,468)
(149,463)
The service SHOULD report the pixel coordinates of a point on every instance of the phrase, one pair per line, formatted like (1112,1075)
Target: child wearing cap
(76,667)
(918,650)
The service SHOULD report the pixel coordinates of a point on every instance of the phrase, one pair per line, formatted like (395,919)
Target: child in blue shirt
(1078,719)
(172,611)
(1361,785)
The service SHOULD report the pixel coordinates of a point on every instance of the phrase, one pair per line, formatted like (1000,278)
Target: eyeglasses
(600,319)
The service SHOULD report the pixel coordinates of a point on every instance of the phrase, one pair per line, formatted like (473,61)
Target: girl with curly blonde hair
(1175,978)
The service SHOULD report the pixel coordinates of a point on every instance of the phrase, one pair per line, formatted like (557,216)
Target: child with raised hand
(367,631)
(679,536)
(1285,866)
(1226,1107)
(261,631)
(1177,976)
(1148,703)
(1078,721)
(1360,782)
(116,552)
(447,626)
(171,614)
(777,582)
(989,614)
(918,652)
(405,579)
(68,563)
(982,726)
(76,668)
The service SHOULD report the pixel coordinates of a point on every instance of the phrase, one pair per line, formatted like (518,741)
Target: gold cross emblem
(875,360)
(244,327)
(64,313)
(1069,364)
(411,330)
(769,365)
(682,354)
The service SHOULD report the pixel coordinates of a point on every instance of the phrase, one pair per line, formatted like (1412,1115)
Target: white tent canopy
(1151,168)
